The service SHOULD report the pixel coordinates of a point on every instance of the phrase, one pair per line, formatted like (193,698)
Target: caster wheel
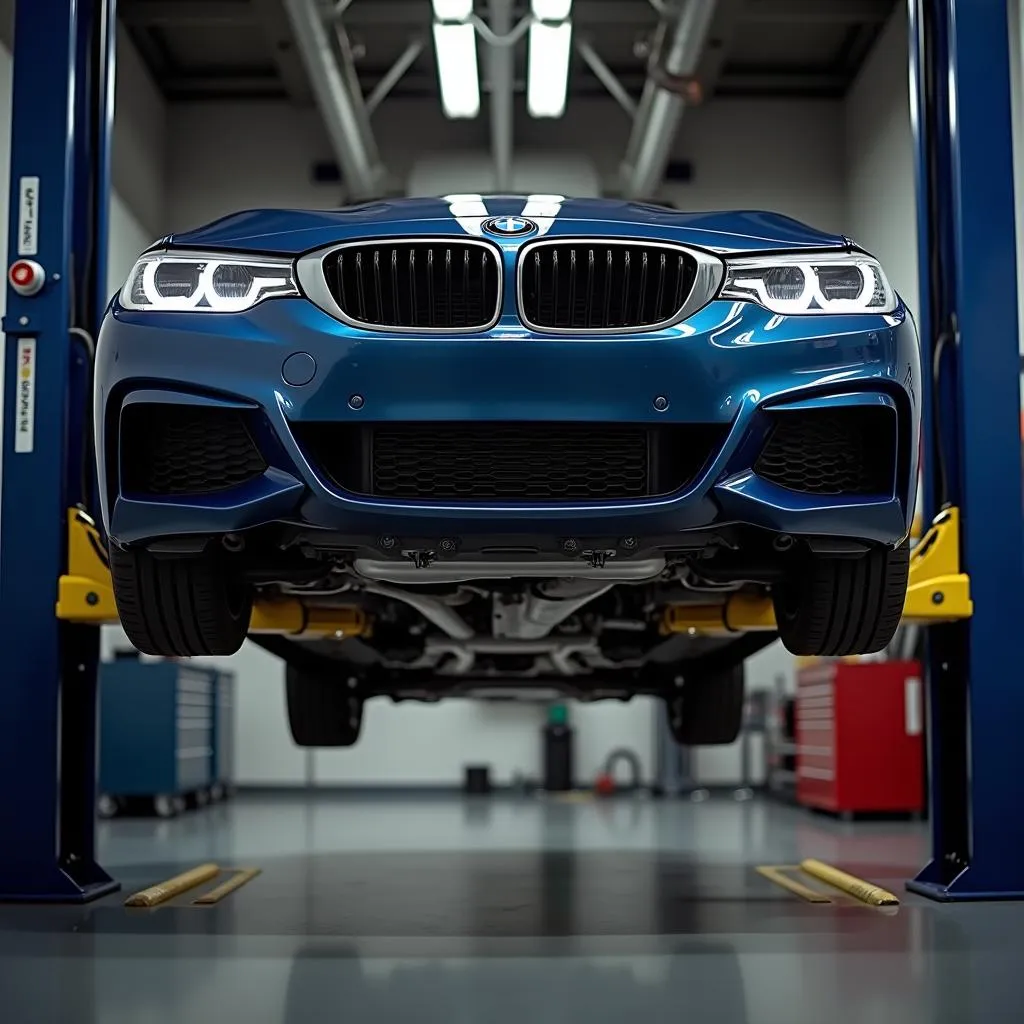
(165,806)
(217,792)
(203,797)
(180,804)
(107,806)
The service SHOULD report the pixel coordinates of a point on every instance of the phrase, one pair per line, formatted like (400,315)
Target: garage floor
(439,909)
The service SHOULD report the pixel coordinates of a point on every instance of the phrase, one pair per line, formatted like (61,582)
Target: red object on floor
(604,785)
(860,737)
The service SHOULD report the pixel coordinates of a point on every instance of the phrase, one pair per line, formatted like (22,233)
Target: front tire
(833,607)
(181,606)
(708,709)
(324,710)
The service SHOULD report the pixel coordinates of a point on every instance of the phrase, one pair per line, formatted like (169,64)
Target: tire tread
(321,709)
(843,606)
(178,607)
(709,708)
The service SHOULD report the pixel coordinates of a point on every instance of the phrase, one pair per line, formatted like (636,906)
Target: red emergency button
(26,277)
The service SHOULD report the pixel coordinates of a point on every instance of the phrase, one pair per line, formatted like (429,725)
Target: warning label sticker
(25,396)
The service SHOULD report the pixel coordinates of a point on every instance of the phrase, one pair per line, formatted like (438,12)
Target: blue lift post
(960,95)
(58,218)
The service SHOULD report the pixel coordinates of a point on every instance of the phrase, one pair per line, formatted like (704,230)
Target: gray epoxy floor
(501,910)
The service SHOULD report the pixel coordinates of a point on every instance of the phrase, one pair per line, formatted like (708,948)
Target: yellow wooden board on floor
(859,889)
(215,895)
(163,891)
(782,875)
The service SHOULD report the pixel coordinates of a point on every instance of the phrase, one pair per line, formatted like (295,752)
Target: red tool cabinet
(860,736)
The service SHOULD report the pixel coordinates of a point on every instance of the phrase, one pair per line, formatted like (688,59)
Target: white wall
(138,157)
(881,212)
(780,155)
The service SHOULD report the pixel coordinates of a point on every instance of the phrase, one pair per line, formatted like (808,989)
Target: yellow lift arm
(937,592)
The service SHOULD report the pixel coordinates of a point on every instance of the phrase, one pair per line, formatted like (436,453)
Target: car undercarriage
(584,616)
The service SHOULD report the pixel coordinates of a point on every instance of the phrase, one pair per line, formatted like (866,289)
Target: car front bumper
(728,364)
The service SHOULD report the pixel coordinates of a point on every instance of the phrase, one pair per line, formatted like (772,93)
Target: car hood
(297,231)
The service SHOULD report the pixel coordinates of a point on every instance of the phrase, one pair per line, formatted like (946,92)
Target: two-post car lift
(55,589)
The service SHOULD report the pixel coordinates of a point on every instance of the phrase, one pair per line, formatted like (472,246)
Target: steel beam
(501,68)
(394,74)
(341,106)
(606,77)
(62,104)
(960,96)
(654,131)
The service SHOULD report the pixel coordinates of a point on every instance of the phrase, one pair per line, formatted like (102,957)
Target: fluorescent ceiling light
(455,50)
(548,76)
(550,10)
(455,10)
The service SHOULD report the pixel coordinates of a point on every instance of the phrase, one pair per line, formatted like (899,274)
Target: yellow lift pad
(84,592)
(938,591)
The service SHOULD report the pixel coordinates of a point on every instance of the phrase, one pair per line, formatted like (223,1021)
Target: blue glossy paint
(47,691)
(968,282)
(296,231)
(725,364)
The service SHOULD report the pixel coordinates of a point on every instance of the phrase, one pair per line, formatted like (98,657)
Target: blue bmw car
(511,430)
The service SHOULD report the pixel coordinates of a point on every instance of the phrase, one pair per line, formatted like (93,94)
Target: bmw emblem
(510,227)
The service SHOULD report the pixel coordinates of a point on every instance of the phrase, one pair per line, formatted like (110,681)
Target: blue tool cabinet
(158,735)
(224,736)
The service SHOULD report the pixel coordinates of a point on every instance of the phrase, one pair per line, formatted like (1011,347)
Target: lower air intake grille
(510,462)
(831,451)
(580,286)
(182,449)
(439,285)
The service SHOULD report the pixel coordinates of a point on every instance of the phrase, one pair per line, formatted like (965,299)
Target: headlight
(205,283)
(811,283)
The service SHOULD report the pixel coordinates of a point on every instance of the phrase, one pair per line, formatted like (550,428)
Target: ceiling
(209,49)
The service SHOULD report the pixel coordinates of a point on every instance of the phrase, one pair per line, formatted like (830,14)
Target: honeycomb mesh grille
(581,286)
(423,285)
(831,451)
(514,462)
(182,449)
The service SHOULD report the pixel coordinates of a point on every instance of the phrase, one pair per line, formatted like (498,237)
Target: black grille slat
(609,260)
(590,288)
(643,285)
(831,451)
(360,287)
(181,449)
(510,462)
(572,284)
(377,290)
(659,295)
(641,295)
(430,287)
(677,300)
(396,316)
(416,284)
(448,277)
